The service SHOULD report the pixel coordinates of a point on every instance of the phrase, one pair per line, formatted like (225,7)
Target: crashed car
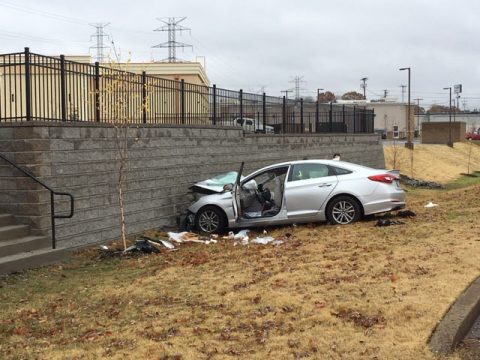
(299,192)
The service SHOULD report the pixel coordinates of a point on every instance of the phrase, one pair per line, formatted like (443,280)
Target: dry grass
(438,163)
(329,292)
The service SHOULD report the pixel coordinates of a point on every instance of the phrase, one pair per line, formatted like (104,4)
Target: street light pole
(409,143)
(450,143)
(317,109)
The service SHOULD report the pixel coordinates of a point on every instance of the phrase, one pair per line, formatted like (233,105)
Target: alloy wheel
(208,221)
(343,212)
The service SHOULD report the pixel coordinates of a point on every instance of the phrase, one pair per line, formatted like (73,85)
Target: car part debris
(431,205)
(167,244)
(142,245)
(406,213)
(388,222)
(184,236)
(103,247)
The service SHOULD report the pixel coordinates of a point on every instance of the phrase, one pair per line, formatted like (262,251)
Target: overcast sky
(249,44)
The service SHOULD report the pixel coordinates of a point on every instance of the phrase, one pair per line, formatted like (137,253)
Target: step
(6,219)
(10,232)
(20,245)
(31,259)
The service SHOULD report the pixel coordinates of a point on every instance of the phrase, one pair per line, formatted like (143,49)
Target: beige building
(120,96)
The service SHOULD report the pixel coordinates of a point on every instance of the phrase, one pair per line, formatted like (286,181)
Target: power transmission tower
(403,92)
(363,85)
(298,80)
(99,38)
(172,27)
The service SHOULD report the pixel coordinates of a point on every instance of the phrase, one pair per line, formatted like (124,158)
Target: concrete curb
(457,322)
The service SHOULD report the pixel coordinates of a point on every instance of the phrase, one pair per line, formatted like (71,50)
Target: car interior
(262,195)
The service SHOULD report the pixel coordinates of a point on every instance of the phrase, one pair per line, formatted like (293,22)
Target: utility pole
(403,92)
(99,37)
(409,143)
(172,27)
(385,93)
(418,112)
(363,85)
(450,143)
(286,93)
(297,80)
(318,93)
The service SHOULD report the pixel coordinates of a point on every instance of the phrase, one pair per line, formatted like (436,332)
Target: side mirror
(228,187)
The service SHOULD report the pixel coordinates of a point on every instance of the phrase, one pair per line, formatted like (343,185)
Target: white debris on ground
(431,205)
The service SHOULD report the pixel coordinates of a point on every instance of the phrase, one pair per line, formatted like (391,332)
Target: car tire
(343,210)
(209,220)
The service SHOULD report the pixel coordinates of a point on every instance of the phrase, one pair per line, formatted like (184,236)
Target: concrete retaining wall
(163,161)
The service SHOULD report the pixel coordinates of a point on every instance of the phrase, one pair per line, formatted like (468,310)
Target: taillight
(385,178)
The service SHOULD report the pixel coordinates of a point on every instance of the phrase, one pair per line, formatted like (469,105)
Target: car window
(249,122)
(309,171)
(240,121)
(340,171)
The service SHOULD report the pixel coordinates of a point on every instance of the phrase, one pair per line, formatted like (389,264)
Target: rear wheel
(210,219)
(343,210)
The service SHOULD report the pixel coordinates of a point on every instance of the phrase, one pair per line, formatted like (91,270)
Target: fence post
(63,95)
(264,111)
(284,115)
(28,98)
(317,114)
(182,100)
(330,118)
(144,97)
(214,119)
(302,125)
(372,121)
(354,119)
(97,91)
(240,94)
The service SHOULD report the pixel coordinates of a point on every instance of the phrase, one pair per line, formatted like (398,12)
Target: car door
(308,186)
(237,210)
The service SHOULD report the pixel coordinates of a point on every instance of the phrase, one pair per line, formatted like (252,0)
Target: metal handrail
(52,195)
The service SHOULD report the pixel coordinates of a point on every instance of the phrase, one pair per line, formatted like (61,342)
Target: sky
(263,44)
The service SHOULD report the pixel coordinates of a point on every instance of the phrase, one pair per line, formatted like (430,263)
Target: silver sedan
(299,192)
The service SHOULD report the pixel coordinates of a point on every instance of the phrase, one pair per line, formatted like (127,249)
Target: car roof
(336,163)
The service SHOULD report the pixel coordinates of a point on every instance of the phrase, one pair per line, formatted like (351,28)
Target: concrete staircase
(20,250)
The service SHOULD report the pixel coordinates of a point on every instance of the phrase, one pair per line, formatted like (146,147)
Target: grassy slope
(434,162)
(256,302)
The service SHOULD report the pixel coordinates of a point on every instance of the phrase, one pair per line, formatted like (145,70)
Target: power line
(99,37)
(172,27)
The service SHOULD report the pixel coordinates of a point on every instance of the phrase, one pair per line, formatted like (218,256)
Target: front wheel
(343,210)
(210,220)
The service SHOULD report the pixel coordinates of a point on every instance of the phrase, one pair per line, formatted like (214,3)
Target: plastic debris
(263,240)
(103,247)
(277,242)
(167,244)
(241,234)
(388,222)
(184,236)
(406,213)
(431,205)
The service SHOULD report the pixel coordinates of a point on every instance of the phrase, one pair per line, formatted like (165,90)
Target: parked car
(473,135)
(299,192)
(252,125)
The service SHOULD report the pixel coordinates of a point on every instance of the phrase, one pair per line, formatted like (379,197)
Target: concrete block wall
(163,162)
(439,132)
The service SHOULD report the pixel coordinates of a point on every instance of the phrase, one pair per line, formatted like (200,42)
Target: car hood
(215,184)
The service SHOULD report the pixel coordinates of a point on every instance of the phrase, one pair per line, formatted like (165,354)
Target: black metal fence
(37,87)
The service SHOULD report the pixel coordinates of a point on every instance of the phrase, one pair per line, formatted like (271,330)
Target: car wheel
(343,210)
(210,219)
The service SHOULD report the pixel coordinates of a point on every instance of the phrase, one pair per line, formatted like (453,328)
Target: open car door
(237,210)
